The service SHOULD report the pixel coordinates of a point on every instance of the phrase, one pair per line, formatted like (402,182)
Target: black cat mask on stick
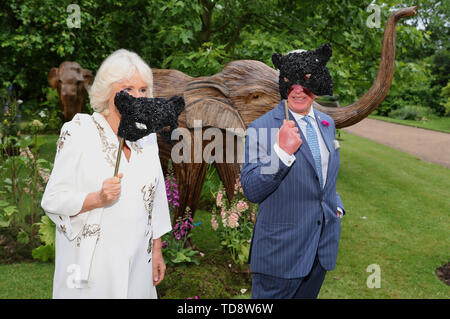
(143,116)
(307,68)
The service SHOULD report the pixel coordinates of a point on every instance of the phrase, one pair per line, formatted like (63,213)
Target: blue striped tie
(313,143)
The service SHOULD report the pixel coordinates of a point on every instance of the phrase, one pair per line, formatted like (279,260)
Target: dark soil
(443,273)
(11,251)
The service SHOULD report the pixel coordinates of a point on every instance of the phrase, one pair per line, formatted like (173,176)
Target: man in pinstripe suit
(290,170)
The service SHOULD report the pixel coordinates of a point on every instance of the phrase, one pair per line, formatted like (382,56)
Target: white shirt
(288,160)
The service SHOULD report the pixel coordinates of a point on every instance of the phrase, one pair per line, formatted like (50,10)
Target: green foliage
(47,230)
(210,187)
(49,111)
(207,60)
(411,112)
(445,94)
(200,37)
(8,115)
(7,212)
(176,254)
(411,86)
(23,178)
(47,233)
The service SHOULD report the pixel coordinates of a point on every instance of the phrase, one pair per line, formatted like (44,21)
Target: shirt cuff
(287,159)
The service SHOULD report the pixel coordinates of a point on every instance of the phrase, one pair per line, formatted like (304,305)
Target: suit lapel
(324,130)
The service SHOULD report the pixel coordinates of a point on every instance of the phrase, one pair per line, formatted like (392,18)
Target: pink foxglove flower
(241,206)
(326,123)
(214,223)
(233,220)
(219,199)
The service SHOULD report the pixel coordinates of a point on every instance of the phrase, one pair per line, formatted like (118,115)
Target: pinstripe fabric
(313,143)
(292,205)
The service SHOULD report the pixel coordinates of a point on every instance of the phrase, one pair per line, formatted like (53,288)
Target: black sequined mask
(295,67)
(142,116)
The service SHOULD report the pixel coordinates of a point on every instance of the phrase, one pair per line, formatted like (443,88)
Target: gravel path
(430,146)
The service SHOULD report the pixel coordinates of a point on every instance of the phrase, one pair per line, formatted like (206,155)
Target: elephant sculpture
(243,91)
(72,82)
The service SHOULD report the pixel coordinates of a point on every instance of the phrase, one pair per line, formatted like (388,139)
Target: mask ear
(53,77)
(325,51)
(87,78)
(276,60)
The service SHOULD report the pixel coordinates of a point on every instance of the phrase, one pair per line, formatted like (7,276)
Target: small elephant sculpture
(73,83)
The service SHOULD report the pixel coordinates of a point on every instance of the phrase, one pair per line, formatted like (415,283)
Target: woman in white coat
(108,237)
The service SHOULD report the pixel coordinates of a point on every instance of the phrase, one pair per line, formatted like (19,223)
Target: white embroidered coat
(106,252)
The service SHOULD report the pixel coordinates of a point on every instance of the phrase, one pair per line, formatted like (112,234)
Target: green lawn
(398,210)
(436,124)
(398,213)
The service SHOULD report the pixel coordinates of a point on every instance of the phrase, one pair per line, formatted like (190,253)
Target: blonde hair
(120,65)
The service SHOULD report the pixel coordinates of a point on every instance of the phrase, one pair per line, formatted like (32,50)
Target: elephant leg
(190,178)
(230,169)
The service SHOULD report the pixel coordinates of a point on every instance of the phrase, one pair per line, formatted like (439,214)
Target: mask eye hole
(141,126)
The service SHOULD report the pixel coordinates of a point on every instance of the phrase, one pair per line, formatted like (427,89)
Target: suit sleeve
(262,170)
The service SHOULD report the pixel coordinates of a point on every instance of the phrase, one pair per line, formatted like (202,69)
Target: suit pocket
(278,231)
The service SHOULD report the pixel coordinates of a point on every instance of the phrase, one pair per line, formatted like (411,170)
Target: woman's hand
(158,264)
(109,193)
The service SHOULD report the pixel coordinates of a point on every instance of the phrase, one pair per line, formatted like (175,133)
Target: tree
(200,37)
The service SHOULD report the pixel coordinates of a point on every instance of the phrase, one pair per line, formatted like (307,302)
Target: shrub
(445,94)
(410,112)
(23,179)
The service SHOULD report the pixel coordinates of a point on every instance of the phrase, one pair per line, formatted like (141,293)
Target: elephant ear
(208,103)
(88,79)
(53,77)
(207,99)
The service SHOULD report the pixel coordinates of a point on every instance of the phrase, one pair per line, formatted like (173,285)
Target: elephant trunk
(355,112)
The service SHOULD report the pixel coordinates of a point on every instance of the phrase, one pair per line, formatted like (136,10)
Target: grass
(26,281)
(441,124)
(398,213)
